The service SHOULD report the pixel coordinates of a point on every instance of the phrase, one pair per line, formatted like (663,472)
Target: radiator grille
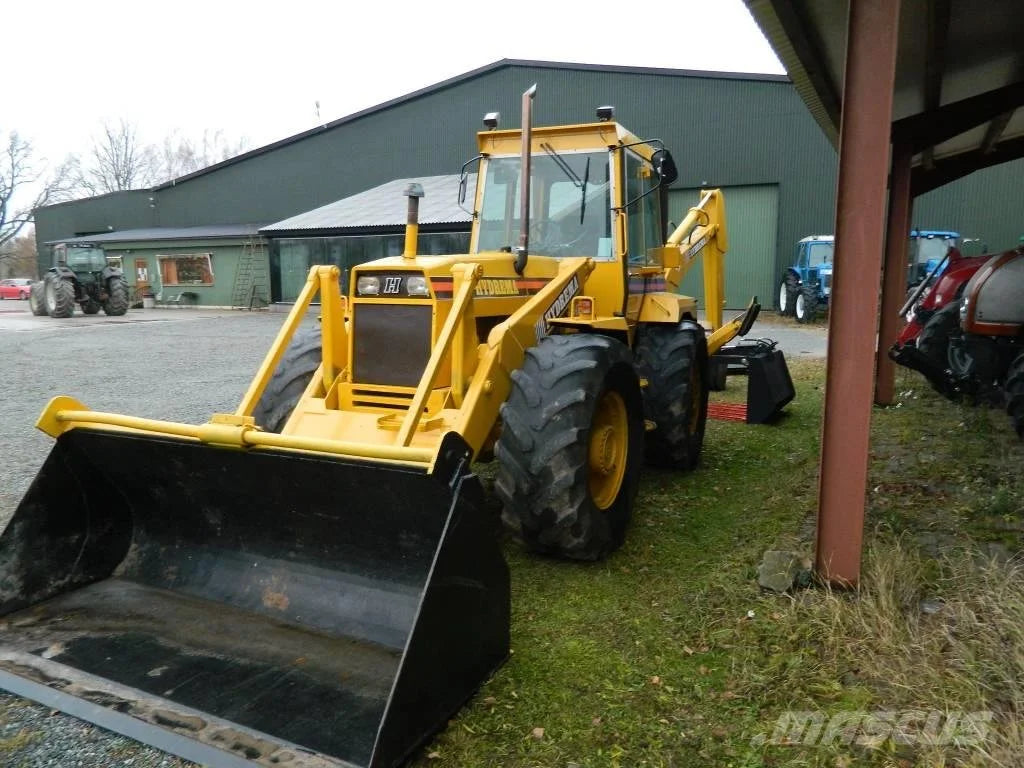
(392,343)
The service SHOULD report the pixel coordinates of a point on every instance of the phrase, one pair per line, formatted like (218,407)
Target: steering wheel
(547,236)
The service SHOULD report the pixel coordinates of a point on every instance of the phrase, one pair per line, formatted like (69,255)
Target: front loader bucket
(251,607)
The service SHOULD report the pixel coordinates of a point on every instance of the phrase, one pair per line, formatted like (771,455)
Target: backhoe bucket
(253,607)
(769,385)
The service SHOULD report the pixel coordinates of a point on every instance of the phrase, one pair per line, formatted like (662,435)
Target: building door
(752,218)
(142,281)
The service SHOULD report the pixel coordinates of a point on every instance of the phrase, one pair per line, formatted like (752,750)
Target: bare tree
(25,185)
(118,160)
(18,256)
(181,155)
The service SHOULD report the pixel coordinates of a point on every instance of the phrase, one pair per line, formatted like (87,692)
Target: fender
(110,272)
(62,271)
(665,307)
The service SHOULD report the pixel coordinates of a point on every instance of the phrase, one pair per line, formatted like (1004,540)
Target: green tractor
(80,275)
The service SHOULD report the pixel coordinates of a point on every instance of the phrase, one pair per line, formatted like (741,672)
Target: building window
(186,269)
(294,256)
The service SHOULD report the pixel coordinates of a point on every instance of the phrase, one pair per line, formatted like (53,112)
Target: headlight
(416,286)
(368,286)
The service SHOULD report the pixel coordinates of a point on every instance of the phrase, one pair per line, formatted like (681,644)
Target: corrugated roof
(385,206)
(209,232)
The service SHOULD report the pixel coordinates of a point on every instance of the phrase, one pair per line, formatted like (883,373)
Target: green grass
(649,658)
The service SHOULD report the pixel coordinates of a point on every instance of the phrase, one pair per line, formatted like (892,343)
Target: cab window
(643,212)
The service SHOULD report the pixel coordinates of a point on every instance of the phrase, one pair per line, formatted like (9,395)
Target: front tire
(298,364)
(90,307)
(674,361)
(788,290)
(37,299)
(571,446)
(59,296)
(806,306)
(933,341)
(117,297)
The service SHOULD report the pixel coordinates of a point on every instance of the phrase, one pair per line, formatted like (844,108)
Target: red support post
(894,281)
(860,227)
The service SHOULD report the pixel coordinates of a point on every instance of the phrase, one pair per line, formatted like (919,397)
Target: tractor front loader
(313,579)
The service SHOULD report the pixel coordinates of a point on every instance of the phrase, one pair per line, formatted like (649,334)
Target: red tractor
(932,297)
(967,335)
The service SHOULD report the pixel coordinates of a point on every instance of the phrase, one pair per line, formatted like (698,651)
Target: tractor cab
(927,249)
(815,258)
(594,191)
(86,261)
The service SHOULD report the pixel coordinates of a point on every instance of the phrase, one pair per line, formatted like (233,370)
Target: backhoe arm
(701,233)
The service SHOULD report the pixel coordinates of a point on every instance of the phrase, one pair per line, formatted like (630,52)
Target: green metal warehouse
(749,134)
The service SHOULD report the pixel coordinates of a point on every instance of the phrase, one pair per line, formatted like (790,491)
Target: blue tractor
(807,284)
(927,251)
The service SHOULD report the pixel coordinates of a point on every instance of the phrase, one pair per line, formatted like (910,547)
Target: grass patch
(20,740)
(652,658)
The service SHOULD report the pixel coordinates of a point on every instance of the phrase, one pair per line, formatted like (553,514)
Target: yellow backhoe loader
(313,579)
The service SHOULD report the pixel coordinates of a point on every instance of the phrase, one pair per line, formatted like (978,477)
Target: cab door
(642,230)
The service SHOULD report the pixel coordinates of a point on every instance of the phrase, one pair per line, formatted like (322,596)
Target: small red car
(15,288)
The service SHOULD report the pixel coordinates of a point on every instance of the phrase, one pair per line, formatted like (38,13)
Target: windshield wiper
(560,162)
(583,193)
(580,184)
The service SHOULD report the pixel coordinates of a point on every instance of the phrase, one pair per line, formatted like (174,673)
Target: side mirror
(664,166)
(464,182)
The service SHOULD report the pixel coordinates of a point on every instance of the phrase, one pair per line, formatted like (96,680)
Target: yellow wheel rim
(609,449)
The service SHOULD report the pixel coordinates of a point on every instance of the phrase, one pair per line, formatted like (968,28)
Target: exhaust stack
(523,250)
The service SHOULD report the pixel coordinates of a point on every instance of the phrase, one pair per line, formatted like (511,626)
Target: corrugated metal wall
(722,131)
(752,224)
(988,204)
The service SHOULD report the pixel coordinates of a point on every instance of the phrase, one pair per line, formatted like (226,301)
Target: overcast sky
(255,69)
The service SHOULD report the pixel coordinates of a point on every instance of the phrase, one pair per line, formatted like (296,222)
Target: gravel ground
(178,365)
(164,364)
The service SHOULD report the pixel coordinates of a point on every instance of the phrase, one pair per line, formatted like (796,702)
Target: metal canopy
(915,94)
(959,76)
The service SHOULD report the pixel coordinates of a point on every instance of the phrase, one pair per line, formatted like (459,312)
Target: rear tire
(1015,394)
(298,364)
(59,296)
(37,299)
(571,446)
(117,297)
(805,308)
(674,360)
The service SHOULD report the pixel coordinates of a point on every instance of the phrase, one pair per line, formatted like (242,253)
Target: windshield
(931,248)
(570,205)
(820,253)
(86,259)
